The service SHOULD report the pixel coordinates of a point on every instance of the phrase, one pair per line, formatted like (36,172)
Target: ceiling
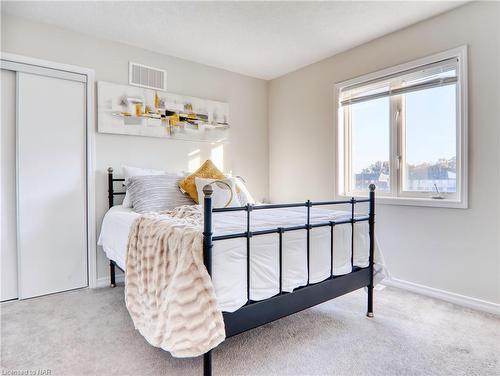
(259,39)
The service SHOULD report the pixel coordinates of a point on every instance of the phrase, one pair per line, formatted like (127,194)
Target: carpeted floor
(89,332)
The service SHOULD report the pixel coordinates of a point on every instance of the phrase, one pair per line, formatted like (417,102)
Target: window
(404,129)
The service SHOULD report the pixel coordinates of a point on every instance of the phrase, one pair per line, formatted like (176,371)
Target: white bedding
(229,256)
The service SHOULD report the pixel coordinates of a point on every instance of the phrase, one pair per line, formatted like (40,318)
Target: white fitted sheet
(229,256)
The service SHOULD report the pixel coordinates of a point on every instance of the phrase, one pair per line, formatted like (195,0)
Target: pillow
(128,172)
(154,193)
(207,170)
(244,195)
(221,195)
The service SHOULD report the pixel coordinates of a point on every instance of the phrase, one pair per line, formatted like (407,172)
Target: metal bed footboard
(257,313)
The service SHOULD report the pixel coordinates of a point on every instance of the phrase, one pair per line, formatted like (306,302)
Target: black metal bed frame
(256,313)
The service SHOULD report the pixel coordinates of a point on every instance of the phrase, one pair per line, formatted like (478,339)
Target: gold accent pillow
(207,171)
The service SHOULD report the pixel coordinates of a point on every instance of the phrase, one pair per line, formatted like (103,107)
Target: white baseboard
(105,282)
(451,297)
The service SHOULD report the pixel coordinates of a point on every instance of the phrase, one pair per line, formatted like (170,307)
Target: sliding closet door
(52,245)
(8,186)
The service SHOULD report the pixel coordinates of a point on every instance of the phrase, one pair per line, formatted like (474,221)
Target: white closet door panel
(8,185)
(51,185)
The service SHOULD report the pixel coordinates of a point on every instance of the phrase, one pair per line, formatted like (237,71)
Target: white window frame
(397,196)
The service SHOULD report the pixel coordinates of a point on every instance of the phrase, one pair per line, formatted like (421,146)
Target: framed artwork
(131,110)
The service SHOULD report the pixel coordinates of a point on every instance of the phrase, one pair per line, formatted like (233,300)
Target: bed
(270,261)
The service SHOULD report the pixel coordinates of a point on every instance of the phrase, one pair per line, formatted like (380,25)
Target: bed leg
(369,313)
(207,363)
(371,224)
(112,273)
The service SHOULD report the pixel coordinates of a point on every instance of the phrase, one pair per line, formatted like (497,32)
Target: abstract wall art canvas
(131,110)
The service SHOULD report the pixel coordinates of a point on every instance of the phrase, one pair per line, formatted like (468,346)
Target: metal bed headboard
(111,189)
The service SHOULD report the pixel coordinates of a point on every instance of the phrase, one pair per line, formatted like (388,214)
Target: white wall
(247,152)
(449,249)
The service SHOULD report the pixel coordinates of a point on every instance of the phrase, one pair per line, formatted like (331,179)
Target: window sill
(414,201)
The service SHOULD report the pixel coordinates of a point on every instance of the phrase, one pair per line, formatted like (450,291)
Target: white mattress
(229,256)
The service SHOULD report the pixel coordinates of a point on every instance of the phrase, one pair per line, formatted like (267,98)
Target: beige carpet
(89,332)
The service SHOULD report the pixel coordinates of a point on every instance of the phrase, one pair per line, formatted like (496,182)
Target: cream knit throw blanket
(168,291)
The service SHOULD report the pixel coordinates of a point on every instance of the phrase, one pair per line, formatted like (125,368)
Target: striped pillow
(154,193)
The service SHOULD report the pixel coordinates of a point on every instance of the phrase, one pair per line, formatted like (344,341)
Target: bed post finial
(110,170)
(208,190)
(372,187)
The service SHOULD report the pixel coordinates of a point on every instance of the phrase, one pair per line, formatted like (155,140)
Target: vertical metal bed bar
(110,187)
(280,234)
(110,203)
(308,204)
(249,235)
(371,224)
(332,224)
(353,201)
(207,258)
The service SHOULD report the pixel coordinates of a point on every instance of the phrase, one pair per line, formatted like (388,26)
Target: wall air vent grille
(148,77)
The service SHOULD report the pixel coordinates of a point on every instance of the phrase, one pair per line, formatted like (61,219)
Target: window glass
(430,140)
(370,124)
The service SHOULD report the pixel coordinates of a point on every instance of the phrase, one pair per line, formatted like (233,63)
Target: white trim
(45,63)
(105,282)
(69,70)
(18,238)
(410,201)
(43,71)
(451,297)
(458,51)
(461,201)
(91,202)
